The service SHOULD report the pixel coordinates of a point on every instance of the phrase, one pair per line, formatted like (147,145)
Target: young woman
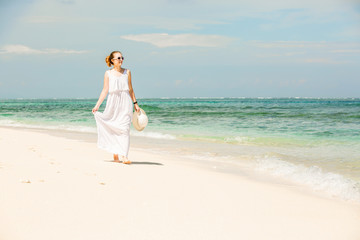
(113,125)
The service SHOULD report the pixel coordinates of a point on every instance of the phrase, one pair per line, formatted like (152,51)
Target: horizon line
(77,98)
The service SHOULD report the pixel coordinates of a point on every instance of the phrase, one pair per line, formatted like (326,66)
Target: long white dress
(113,125)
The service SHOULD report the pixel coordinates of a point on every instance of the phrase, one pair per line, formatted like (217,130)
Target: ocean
(307,141)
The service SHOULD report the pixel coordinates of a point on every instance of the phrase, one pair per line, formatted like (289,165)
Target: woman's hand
(137,108)
(95,109)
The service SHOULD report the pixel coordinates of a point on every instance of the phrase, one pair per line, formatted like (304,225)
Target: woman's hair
(109,58)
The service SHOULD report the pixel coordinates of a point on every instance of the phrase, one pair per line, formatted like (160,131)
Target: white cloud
(158,22)
(294,53)
(265,5)
(346,51)
(184,83)
(172,23)
(321,52)
(333,46)
(285,54)
(67,1)
(324,61)
(163,40)
(42,19)
(287,44)
(289,18)
(22,49)
(352,31)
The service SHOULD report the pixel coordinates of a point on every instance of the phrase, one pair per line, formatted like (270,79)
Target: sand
(52,187)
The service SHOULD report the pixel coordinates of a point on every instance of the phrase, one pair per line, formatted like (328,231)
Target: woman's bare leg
(116,158)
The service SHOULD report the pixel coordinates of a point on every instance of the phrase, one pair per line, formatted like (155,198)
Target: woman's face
(118,59)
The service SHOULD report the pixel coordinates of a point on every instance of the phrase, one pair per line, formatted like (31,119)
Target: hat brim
(135,120)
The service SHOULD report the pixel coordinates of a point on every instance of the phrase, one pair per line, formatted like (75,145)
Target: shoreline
(213,161)
(78,196)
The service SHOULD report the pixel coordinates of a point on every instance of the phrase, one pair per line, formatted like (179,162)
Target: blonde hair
(109,58)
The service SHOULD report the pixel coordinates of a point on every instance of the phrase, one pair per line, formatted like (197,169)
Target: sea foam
(156,135)
(74,128)
(332,184)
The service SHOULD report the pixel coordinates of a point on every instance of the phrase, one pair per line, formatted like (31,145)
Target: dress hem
(111,151)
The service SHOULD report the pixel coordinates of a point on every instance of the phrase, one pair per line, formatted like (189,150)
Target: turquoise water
(315,140)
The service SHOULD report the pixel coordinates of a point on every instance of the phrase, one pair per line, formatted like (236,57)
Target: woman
(113,125)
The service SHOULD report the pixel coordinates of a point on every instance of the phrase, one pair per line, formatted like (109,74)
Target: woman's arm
(103,94)
(132,93)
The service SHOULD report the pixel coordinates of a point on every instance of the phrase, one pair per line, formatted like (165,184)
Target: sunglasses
(119,58)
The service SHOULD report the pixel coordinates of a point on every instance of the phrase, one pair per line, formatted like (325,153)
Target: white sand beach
(54,187)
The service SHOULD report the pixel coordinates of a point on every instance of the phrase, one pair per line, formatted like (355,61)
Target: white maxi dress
(113,125)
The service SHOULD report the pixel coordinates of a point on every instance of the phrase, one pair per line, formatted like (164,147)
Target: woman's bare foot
(116,158)
(125,160)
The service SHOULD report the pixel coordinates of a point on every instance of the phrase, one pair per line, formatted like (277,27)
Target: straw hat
(140,120)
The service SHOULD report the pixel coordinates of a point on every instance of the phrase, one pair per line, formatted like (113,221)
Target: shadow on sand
(147,163)
(138,163)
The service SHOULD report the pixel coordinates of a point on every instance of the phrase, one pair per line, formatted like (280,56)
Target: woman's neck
(118,68)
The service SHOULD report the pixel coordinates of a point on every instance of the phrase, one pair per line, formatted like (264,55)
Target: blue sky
(189,48)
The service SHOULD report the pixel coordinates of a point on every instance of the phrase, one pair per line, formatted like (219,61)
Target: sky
(187,48)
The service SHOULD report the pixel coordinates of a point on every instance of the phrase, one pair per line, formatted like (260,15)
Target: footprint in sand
(24,181)
(33,149)
(40,155)
(54,163)
(90,174)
